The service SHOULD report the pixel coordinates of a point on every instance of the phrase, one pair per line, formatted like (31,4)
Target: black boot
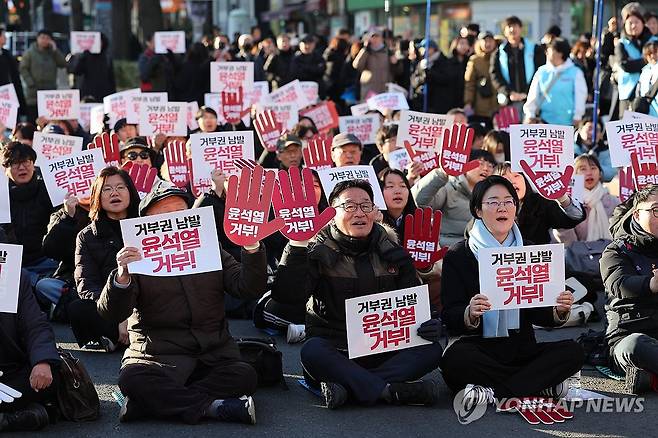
(421,392)
(33,417)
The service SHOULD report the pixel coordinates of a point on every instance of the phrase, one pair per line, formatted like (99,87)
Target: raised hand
(428,159)
(550,185)
(317,154)
(232,106)
(457,143)
(506,116)
(143,177)
(626,183)
(109,144)
(644,174)
(297,205)
(248,202)
(176,160)
(268,129)
(421,237)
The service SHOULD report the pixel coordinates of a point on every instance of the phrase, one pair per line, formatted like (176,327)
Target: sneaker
(92,345)
(421,393)
(478,395)
(128,411)
(556,392)
(296,333)
(639,381)
(107,344)
(334,394)
(34,417)
(238,410)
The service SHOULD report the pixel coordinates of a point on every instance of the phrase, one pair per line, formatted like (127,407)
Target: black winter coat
(30,213)
(627,266)
(218,205)
(328,272)
(192,81)
(9,75)
(277,68)
(96,74)
(96,248)
(59,241)
(26,337)
(538,215)
(309,68)
(445,79)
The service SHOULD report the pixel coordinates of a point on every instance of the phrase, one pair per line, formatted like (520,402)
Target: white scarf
(495,323)
(597,218)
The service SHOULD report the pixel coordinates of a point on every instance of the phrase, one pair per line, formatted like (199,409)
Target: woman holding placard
(494,354)
(113,197)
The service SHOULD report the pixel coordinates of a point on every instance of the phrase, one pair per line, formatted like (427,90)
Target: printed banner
(626,136)
(73,174)
(134,110)
(364,127)
(10,276)
(330,177)
(293,93)
(385,102)
(522,277)
(8,114)
(386,321)
(51,146)
(168,118)
(178,243)
(219,150)
(116,105)
(83,41)
(229,76)
(423,131)
(324,115)
(170,40)
(546,148)
(5,214)
(59,104)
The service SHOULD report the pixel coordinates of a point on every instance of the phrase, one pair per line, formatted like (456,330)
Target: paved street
(296,413)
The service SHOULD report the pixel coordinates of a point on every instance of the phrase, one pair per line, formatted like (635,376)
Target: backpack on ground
(263,356)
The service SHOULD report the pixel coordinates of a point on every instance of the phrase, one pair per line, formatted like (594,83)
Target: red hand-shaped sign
(109,144)
(317,155)
(297,205)
(421,237)
(506,116)
(269,129)
(429,159)
(456,149)
(550,185)
(644,173)
(248,201)
(175,157)
(143,176)
(626,183)
(232,106)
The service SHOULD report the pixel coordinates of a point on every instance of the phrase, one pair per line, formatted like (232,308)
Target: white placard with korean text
(632,135)
(192,109)
(546,148)
(59,104)
(219,150)
(398,159)
(83,41)
(51,146)
(179,243)
(364,127)
(332,176)
(97,119)
(5,214)
(85,114)
(293,93)
(8,114)
(168,118)
(10,277)
(359,109)
(170,40)
(386,321)
(424,131)
(388,102)
(134,110)
(311,89)
(229,76)
(116,105)
(522,277)
(286,113)
(8,92)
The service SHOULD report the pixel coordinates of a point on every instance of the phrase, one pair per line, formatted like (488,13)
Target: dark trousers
(20,381)
(272,314)
(637,350)
(157,391)
(88,325)
(366,377)
(531,369)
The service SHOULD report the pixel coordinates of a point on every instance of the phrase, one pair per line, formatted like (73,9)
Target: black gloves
(431,330)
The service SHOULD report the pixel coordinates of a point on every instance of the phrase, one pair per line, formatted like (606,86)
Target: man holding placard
(353,257)
(493,353)
(182,361)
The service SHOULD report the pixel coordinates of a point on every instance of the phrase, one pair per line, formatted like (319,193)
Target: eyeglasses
(132,156)
(24,163)
(497,204)
(652,210)
(106,190)
(350,207)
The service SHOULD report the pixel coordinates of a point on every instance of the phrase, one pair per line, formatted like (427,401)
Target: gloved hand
(431,330)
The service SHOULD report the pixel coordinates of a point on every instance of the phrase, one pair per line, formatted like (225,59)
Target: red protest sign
(109,144)
(317,154)
(297,205)
(626,183)
(421,237)
(268,129)
(457,143)
(428,159)
(324,115)
(550,185)
(248,201)
(232,106)
(143,176)
(505,117)
(176,163)
(644,173)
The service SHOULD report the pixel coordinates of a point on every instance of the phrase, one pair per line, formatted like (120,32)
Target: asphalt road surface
(298,413)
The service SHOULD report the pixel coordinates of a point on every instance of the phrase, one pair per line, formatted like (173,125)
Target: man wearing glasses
(629,267)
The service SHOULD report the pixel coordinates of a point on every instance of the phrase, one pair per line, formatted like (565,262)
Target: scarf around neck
(495,323)
(597,218)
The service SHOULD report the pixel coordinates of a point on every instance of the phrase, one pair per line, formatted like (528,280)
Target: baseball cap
(343,139)
(485,34)
(287,140)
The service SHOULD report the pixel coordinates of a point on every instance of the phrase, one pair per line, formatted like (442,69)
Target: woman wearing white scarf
(598,202)
(496,355)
